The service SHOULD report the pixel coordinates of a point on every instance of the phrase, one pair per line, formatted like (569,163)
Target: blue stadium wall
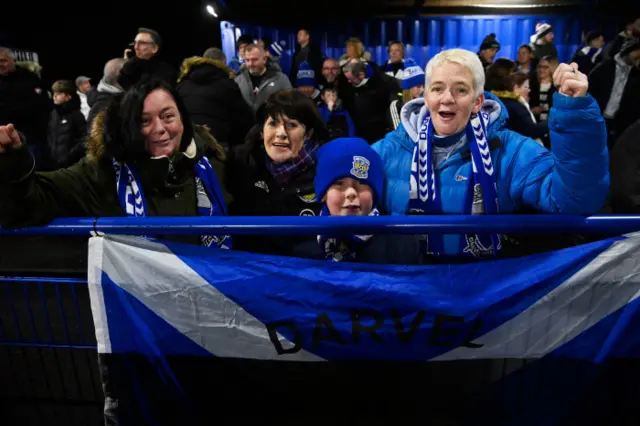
(423,37)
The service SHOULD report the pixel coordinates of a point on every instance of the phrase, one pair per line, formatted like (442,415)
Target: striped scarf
(284,172)
(339,249)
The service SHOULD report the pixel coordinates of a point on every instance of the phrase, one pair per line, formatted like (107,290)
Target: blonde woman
(412,81)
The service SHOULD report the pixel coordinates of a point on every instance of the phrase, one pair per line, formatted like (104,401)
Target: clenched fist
(9,138)
(570,81)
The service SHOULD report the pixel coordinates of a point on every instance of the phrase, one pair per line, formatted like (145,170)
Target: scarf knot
(284,172)
(345,248)
(210,200)
(481,194)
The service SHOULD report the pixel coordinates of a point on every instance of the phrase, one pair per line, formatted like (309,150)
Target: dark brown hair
(498,74)
(517,79)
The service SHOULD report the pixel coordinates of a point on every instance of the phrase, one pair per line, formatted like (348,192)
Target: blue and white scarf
(481,196)
(591,52)
(344,248)
(209,196)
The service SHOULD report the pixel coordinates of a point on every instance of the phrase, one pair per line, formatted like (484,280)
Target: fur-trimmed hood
(96,147)
(211,67)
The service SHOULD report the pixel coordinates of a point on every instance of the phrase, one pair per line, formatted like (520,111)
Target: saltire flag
(192,335)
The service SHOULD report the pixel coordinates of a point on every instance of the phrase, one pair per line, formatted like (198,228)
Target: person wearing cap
(306,82)
(367,97)
(615,84)
(412,82)
(306,51)
(83,84)
(488,50)
(542,42)
(589,56)
(272,50)
(67,126)
(349,181)
(453,155)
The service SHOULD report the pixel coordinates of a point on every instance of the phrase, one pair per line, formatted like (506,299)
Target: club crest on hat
(360,167)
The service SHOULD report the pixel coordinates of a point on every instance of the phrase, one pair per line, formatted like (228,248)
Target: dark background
(77,37)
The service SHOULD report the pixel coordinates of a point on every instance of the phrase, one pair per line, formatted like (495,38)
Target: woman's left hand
(570,81)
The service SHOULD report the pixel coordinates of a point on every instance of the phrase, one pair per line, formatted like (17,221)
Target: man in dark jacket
(145,62)
(306,51)
(631,31)
(488,50)
(106,90)
(624,197)
(615,85)
(67,126)
(24,102)
(214,100)
(591,55)
(367,98)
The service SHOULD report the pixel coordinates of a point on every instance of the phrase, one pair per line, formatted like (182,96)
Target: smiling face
(162,126)
(349,197)
(283,138)
(451,98)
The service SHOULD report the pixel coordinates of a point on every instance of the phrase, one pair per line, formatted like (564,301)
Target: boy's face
(60,98)
(329,96)
(349,197)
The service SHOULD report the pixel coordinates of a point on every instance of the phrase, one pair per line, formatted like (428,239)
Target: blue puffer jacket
(573,178)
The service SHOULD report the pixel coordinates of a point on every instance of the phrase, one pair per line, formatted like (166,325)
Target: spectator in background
(272,50)
(513,90)
(542,88)
(616,87)
(306,51)
(488,50)
(625,172)
(273,171)
(631,31)
(236,63)
(355,50)
(83,84)
(542,42)
(24,102)
(67,126)
(395,64)
(146,62)
(589,56)
(257,81)
(335,117)
(107,89)
(428,160)
(306,82)
(330,71)
(412,83)
(524,63)
(371,92)
(213,99)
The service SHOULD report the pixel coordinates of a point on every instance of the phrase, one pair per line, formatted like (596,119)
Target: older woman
(453,155)
(144,158)
(273,173)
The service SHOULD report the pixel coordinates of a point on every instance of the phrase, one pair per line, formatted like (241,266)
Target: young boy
(67,126)
(335,117)
(350,182)
(306,82)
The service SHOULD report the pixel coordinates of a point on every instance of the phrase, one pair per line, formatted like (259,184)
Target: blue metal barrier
(298,225)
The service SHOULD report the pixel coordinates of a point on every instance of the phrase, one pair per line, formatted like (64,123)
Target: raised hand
(570,81)
(9,138)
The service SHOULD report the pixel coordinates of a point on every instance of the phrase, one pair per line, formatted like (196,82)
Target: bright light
(211,11)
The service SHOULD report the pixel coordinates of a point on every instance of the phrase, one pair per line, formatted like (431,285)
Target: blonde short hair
(464,58)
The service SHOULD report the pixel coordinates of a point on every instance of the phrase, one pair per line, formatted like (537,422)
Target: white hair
(8,51)
(464,58)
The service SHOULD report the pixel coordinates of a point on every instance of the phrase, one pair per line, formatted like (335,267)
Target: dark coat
(100,102)
(256,193)
(600,85)
(586,64)
(24,102)
(338,122)
(368,105)
(520,120)
(135,70)
(214,100)
(625,172)
(67,130)
(612,48)
(88,188)
(313,55)
(384,249)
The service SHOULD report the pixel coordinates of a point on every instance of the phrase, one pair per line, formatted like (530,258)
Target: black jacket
(586,64)
(368,105)
(256,193)
(24,102)
(520,120)
(135,70)
(601,82)
(612,48)
(313,55)
(214,100)
(67,130)
(625,172)
(100,102)
(384,249)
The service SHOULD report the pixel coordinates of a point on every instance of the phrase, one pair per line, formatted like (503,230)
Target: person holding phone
(143,61)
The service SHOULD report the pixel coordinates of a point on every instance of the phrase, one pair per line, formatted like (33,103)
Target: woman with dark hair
(144,158)
(513,90)
(273,173)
